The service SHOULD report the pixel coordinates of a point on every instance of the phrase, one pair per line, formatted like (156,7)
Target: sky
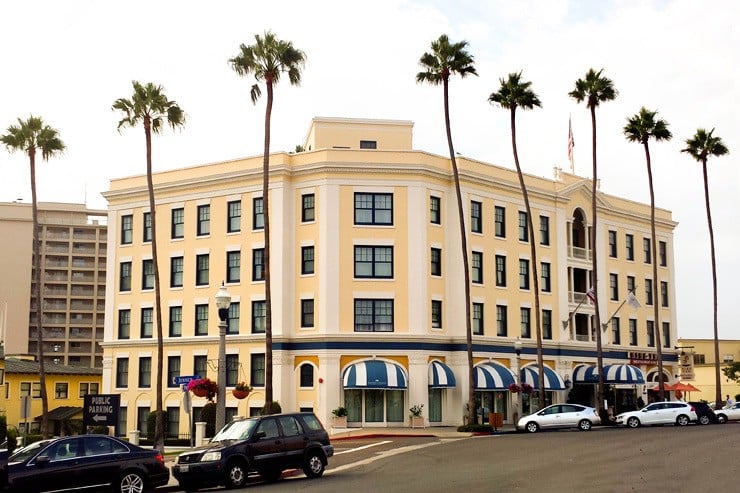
(69,61)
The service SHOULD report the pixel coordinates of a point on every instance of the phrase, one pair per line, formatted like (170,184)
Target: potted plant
(203,387)
(340,417)
(514,388)
(417,419)
(527,389)
(241,390)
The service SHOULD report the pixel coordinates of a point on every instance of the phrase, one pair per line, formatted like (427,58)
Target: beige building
(73,253)
(368,298)
(701,352)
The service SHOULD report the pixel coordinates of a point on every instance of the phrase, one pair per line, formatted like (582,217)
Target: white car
(659,413)
(560,416)
(731,413)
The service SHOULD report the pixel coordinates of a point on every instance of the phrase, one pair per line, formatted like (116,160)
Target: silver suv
(659,413)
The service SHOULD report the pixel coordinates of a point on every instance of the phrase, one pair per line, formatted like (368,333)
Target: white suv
(659,413)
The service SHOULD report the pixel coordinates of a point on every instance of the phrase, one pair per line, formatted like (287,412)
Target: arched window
(306,375)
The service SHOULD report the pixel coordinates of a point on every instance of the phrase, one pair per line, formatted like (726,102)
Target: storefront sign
(686,364)
(639,358)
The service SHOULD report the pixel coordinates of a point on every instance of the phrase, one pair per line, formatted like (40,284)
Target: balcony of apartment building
(48,333)
(79,248)
(81,318)
(54,290)
(55,275)
(83,263)
(56,233)
(85,333)
(82,305)
(85,234)
(82,290)
(56,247)
(579,238)
(83,276)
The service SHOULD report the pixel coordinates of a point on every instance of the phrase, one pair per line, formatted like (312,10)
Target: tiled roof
(61,413)
(23,366)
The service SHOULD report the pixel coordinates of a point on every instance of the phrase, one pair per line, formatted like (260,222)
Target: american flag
(571,143)
(591,295)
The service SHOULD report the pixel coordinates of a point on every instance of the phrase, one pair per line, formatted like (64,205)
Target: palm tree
(594,89)
(266,60)
(150,106)
(640,128)
(702,145)
(446,59)
(515,93)
(29,136)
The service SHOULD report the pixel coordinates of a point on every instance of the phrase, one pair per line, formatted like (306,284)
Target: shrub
(151,424)
(340,412)
(475,428)
(208,414)
(276,409)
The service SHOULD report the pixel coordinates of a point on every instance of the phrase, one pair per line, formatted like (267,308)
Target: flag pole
(606,324)
(571,144)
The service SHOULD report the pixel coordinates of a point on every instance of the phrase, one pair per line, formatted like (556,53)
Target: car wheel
(682,420)
(271,475)
(131,482)
(721,419)
(584,425)
(633,422)
(313,466)
(532,427)
(704,420)
(236,474)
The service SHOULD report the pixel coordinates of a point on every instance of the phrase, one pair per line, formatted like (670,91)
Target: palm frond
(445,58)
(148,101)
(644,125)
(33,133)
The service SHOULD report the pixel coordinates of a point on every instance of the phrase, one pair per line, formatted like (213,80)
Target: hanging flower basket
(514,388)
(200,392)
(527,389)
(241,390)
(203,387)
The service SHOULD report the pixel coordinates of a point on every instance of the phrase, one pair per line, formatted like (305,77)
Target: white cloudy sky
(68,61)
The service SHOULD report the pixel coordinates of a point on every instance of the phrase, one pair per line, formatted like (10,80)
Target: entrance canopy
(625,374)
(440,376)
(530,374)
(492,376)
(374,375)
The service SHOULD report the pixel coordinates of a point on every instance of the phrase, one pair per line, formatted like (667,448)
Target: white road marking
(381,455)
(363,447)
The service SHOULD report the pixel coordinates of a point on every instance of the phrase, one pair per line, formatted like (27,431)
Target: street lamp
(223,301)
(518,375)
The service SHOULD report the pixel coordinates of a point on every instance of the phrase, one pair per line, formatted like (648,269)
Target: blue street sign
(185,379)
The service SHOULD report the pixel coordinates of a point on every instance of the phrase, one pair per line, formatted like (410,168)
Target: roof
(21,366)
(61,413)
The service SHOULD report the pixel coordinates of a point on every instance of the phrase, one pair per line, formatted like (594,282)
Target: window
(307,260)
(523,273)
(200,366)
(147,323)
(664,294)
(173,370)
(201,320)
(142,420)
(122,425)
(648,291)
(308,208)
(612,244)
(202,263)
(478,328)
(436,314)
(368,144)
(500,221)
(501,320)
(88,388)
(234,220)
(127,229)
(122,373)
(650,333)
(61,390)
(176,267)
(434,210)
(373,315)
(374,262)
(259,312)
(124,324)
(204,220)
(173,422)
(147,274)
(629,242)
(663,252)
(436,267)
(616,339)
(257,370)
(233,266)
(523,227)
(547,324)
(630,284)
(525,325)
(258,213)
(177,229)
(700,359)
(306,379)
(500,270)
(666,335)
(307,313)
(258,264)
(613,287)
(125,279)
(374,208)
(476,219)
(175,327)
(545,274)
(477,267)
(544,230)
(633,332)
(147,236)
(232,369)
(232,322)
(145,372)
(646,249)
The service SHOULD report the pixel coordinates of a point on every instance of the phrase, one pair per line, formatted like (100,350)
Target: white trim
(174,303)
(233,248)
(146,304)
(200,301)
(145,354)
(123,306)
(202,251)
(199,202)
(373,242)
(375,295)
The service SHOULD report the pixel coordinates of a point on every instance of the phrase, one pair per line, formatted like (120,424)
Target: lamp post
(518,375)
(223,301)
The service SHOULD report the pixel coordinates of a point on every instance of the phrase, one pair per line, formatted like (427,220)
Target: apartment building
(367,285)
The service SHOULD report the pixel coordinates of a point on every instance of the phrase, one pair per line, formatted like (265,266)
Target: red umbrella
(684,387)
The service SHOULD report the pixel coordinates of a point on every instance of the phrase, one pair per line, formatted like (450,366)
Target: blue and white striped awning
(440,376)
(492,376)
(530,375)
(585,374)
(374,375)
(626,374)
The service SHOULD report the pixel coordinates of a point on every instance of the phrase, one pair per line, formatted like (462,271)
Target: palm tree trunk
(654,245)
(717,379)
(594,268)
(535,278)
(37,293)
(159,417)
(464,244)
(266,260)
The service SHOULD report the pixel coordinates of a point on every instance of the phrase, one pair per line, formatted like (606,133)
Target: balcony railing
(579,253)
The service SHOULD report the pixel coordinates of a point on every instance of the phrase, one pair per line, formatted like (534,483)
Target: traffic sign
(101,409)
(185,379)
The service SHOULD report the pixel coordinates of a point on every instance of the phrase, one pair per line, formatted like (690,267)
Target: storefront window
(395,408)
(435,405)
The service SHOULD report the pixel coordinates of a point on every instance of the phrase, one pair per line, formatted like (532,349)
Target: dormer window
(368,144)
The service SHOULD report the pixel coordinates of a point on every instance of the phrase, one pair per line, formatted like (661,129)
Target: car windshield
(236,430)
(25,453)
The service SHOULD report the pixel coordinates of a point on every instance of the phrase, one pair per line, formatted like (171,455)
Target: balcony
(83,249)
(579,253)
(80,333)
(78,276)
(84,234)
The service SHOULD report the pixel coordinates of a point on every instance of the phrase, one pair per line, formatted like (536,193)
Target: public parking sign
(101,409)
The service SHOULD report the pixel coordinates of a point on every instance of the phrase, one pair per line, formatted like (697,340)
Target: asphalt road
(693,458)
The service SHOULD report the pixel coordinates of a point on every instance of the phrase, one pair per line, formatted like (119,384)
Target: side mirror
(260,435)
(42,460)
(541,413)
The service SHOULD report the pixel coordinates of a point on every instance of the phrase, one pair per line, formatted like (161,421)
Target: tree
(594,89)
(515,93)
(732,371)
(151,107)
(29,136)
(641,128)
(702,145)
(447,59)
(266,60)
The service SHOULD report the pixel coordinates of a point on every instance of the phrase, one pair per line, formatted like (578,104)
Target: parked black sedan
(704,413)
(85,463)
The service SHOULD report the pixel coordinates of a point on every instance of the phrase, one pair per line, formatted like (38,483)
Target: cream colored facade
(395,188)
(73,253)
(702,353)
